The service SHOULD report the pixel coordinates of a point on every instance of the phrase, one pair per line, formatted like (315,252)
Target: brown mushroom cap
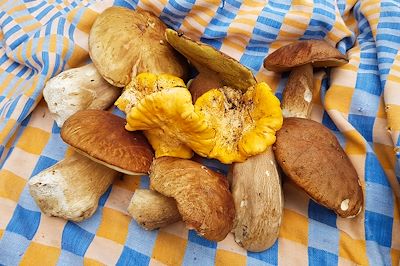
(124,43)
(310,155)
(202,195)
(101,136)
(317,52)
(206,58)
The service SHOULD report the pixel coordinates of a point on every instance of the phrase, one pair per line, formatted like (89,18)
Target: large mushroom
(101,136)
(124,43)
(256,186)
(308,153)
(71,188)
(202,195)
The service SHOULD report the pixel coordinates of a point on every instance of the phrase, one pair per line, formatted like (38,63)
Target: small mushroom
(71,188)
(308,153)
(300,57)
(313,159)
(152,210)
(101,136)
(78,89)
(124,43)
(202,195)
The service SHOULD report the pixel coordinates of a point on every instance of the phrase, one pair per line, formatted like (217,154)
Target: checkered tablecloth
(359,102)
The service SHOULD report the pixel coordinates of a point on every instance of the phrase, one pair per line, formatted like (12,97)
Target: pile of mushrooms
(134,50)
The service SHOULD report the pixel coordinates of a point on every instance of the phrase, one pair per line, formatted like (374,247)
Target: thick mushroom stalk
(152,210)
(298,94)
(257,193)
(71,189)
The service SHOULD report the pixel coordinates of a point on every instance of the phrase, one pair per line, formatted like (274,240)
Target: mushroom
(78,89)
(313,159)
(308,153)
(300,57)
(215,68)
(71,188)
(101,136)
(115,37)
(152,210)
(256,227)
(145,84)
(202,195)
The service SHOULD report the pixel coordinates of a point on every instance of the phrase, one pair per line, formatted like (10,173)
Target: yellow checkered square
(224,257)
(91,262)
(352,249)
(38,254)
(114,225)
(11,185)
(298,233)
(169,249)
(33,140)
(355,144)
(339,98)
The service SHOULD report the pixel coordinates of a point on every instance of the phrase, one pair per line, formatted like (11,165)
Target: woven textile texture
(359,102)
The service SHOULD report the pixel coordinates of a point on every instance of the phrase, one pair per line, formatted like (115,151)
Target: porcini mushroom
(258,218)
(202,195)
(124,43)
(101,136)
(71,188)
(313,159)
(78,89)
(308,153)
(300,57)
(152,210)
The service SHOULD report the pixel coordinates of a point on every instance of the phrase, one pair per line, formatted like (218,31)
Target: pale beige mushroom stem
(298,93)
(152,210)
(71,189)
(257,193)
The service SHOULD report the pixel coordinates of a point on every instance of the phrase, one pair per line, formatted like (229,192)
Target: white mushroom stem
(298,93)
(257,193)
(152,210)
(71,189)
(78,89)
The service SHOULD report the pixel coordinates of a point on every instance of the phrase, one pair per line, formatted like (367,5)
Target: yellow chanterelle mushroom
(245,123)
(224,123)
(146,84)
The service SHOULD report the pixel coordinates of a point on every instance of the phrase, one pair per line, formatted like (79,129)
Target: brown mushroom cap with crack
(319,53)
(202,195)
(312,158)
(101,136)
(124,43)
